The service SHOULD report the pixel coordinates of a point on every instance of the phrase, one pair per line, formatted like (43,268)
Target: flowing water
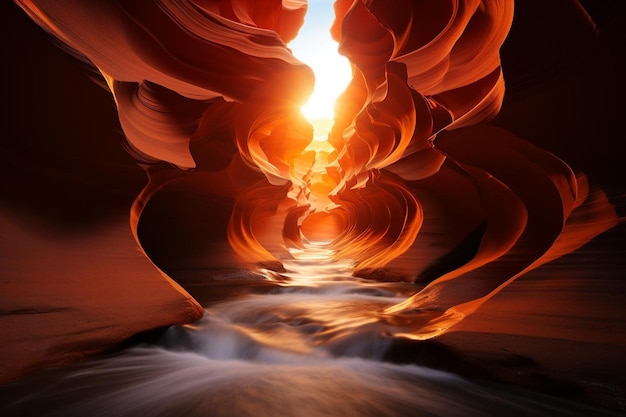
(311,349)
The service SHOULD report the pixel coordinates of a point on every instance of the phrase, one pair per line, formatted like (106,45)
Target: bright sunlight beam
(315,47)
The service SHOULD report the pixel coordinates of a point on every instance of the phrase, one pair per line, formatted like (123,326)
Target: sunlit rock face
(409,179)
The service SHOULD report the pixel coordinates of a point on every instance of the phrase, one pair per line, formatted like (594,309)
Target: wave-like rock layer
(411,178)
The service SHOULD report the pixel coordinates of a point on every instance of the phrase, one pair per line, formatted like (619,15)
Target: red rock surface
(208,95)
(73,281)
(67,297)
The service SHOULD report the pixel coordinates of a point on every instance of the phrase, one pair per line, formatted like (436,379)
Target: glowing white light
(315,47)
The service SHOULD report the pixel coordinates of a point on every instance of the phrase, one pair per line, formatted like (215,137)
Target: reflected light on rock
(209,96)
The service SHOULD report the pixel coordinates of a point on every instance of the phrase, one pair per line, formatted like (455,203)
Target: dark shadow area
(63,165)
